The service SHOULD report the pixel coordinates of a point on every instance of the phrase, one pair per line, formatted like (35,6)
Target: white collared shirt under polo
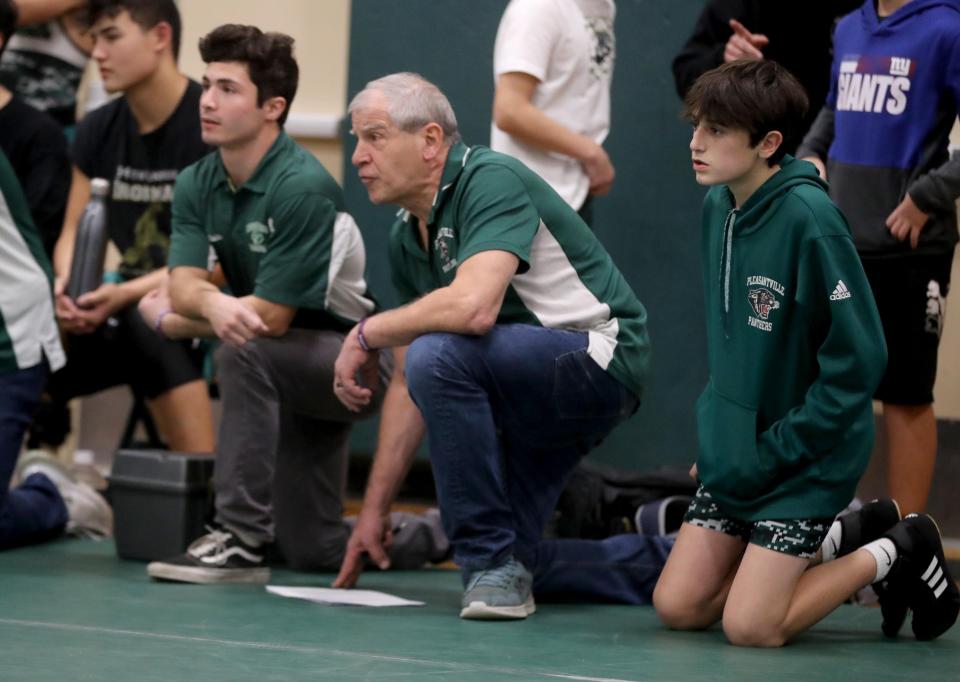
(28,328)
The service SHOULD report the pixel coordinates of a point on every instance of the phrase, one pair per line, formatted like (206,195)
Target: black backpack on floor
(600,500)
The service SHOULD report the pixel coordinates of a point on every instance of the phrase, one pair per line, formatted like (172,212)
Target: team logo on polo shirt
(762,295)
(258,233)
(444,246)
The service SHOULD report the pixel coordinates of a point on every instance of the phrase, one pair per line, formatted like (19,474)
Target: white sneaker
(88,513)
(31,457)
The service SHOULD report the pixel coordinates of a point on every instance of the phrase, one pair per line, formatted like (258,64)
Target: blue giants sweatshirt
(894,95)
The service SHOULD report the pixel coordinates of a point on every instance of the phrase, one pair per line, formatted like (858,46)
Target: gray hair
(412,102)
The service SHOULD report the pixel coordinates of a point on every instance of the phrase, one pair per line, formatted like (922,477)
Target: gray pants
(283,450)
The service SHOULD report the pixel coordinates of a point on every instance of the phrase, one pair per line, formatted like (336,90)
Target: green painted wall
(649,223)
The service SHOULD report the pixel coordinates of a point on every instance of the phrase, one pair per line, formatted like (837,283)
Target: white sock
(831,543)
(884,553)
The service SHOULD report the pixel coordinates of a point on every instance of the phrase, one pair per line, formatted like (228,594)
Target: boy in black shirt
(36,148)
(139,142)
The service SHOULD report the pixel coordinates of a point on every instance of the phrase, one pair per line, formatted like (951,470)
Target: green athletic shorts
(796,537)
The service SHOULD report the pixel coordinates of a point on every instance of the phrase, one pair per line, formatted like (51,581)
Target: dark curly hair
(268,56)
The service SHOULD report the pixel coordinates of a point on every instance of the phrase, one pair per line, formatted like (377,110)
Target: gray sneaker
(88,513)
(501,593)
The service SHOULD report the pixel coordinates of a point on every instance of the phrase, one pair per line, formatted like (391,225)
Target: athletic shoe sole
(201,575)
(478,610)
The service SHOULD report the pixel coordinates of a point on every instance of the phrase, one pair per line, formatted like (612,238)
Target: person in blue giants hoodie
(882,136)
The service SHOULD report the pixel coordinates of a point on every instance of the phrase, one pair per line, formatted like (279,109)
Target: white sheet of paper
(328,595)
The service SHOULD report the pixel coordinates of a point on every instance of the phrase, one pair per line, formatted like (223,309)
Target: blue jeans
(509,414)
(33,511)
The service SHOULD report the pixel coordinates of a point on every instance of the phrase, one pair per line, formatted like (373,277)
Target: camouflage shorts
(796,537)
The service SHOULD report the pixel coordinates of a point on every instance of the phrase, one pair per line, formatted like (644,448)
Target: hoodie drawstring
(726,258)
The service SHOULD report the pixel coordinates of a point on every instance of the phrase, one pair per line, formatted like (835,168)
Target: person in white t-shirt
(553,63)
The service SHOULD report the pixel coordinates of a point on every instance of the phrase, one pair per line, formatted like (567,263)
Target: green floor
(72,611)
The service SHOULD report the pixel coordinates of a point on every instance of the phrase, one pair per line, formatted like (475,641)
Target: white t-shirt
(567,45)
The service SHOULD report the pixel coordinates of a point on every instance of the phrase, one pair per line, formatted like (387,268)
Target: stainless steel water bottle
(90,246)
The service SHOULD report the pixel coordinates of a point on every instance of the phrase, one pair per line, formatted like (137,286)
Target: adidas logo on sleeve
(840,292)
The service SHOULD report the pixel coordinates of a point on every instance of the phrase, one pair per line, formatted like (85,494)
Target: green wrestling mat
(71,610)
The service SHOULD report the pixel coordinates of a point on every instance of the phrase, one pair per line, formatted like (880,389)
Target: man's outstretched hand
(371,537)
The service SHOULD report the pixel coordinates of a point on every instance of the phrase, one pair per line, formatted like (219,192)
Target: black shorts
(911,294)
(129,353)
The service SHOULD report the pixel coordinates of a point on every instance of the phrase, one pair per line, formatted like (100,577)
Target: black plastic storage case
(161,501)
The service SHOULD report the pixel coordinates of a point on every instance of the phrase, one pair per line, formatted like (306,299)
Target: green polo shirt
(566,280)
(282,236)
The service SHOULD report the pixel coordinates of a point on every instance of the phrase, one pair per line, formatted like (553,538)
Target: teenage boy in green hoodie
(785,424)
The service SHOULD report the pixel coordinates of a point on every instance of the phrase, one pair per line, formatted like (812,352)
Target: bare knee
(751,632)
(184,417)
(678,611)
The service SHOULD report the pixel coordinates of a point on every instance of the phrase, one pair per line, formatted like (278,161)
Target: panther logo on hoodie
(763,302)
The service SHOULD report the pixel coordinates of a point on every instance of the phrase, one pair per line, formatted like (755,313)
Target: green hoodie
(795,349)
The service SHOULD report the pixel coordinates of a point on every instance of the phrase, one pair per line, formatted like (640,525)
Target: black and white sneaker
(921,577)
(867,524)
(220,556)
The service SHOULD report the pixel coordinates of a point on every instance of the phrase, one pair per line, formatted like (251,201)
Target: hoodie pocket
(728,464)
